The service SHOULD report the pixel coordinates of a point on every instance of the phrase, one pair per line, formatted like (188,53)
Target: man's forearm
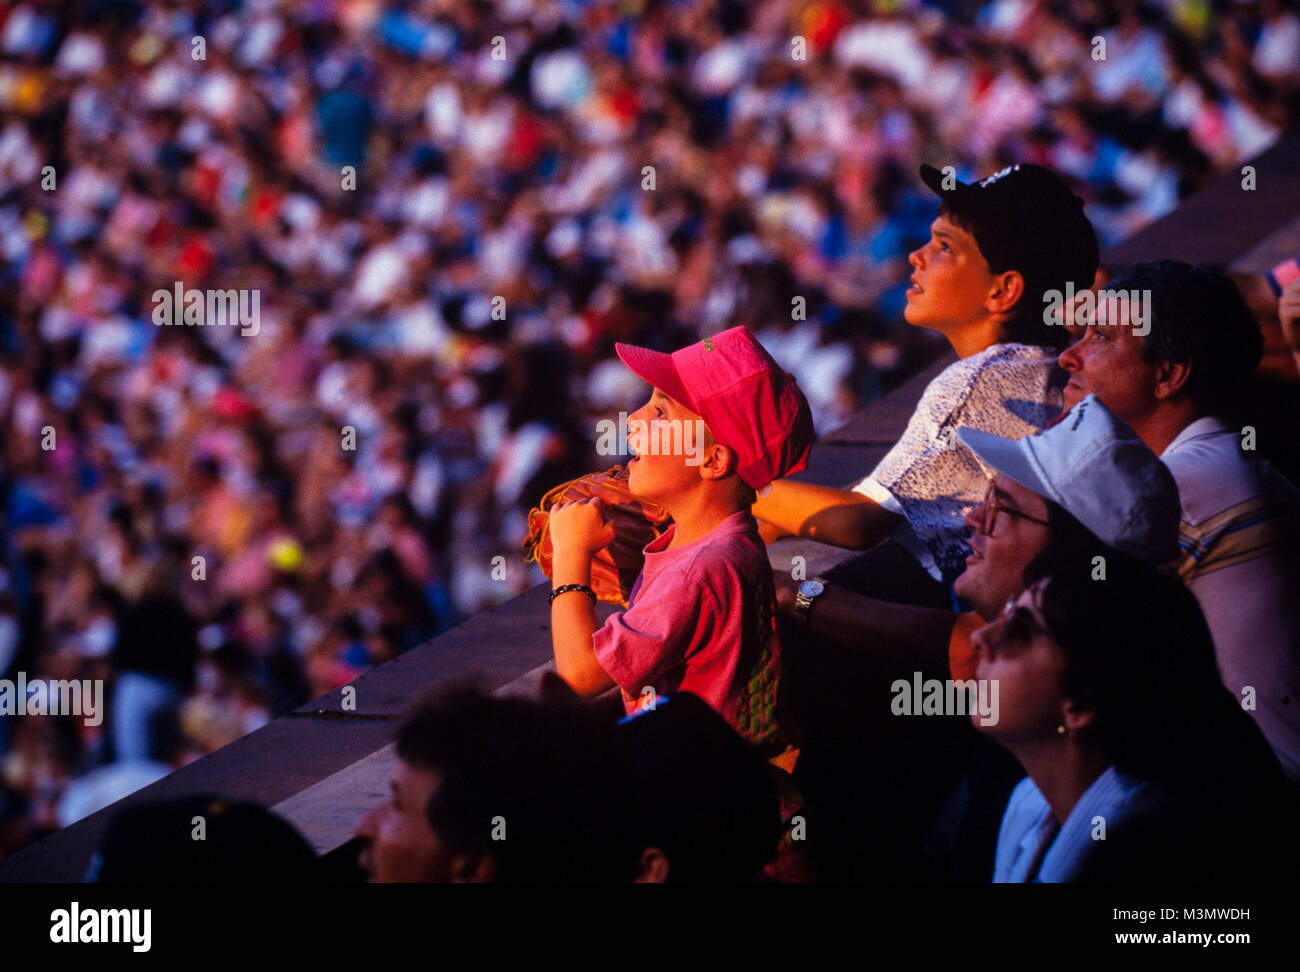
(573,622)
(770,532)
(903,636)
(838,517)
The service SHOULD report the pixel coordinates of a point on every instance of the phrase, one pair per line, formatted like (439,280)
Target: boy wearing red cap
(700,616)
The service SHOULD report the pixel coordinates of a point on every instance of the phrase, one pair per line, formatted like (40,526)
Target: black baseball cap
(1024,218)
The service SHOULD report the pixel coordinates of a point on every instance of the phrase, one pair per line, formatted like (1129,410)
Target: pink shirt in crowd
(700,619)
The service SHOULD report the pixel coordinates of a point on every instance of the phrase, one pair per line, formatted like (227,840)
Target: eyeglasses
(992,509)
(1019,623)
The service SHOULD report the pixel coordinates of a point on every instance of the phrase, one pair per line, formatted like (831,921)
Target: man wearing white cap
(1079,490)
(1093,466)
(1090,464)
(1077,494)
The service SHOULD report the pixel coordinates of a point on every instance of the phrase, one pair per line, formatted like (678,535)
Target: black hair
(1198,317)
(1139,654)
(151,842)
(1070,548)
(1025,325)
(582,801)
(681,780)
(513,762)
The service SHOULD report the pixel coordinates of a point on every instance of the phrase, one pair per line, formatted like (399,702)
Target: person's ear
(716,460)
(653,867)
(473,869)
(1077,717)
(1171,378)
(1008,289)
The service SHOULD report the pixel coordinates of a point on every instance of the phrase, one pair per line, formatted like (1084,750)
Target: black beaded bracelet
(565,588)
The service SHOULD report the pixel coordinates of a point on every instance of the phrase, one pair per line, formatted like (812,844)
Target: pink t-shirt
(700,619)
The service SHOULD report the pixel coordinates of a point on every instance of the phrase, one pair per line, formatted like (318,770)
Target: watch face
(811,588)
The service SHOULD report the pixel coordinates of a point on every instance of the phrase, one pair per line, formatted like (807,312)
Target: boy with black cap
(700,616)
(998,248)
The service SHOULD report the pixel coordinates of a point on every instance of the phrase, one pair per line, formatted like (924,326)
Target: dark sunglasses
(1020,624)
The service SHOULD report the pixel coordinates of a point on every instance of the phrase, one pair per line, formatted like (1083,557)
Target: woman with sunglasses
(1141,764)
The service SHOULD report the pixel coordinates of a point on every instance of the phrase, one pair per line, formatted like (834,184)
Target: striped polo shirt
(1239,543)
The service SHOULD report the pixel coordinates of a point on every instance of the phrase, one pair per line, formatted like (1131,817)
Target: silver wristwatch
(809,591)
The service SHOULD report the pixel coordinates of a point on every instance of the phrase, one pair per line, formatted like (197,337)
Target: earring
(1060,730)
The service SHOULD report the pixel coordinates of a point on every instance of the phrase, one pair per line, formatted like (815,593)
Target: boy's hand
(580,527)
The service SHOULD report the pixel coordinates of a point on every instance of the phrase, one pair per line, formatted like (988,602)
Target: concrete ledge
(292,754)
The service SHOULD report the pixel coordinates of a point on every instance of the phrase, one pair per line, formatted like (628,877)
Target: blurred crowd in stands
(380,173)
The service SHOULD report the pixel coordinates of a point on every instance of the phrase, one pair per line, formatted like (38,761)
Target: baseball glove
(614,569)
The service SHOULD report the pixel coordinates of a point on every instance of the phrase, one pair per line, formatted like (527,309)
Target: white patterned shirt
(930,477)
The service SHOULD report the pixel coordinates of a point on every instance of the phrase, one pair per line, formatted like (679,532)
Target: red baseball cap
(749,403)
